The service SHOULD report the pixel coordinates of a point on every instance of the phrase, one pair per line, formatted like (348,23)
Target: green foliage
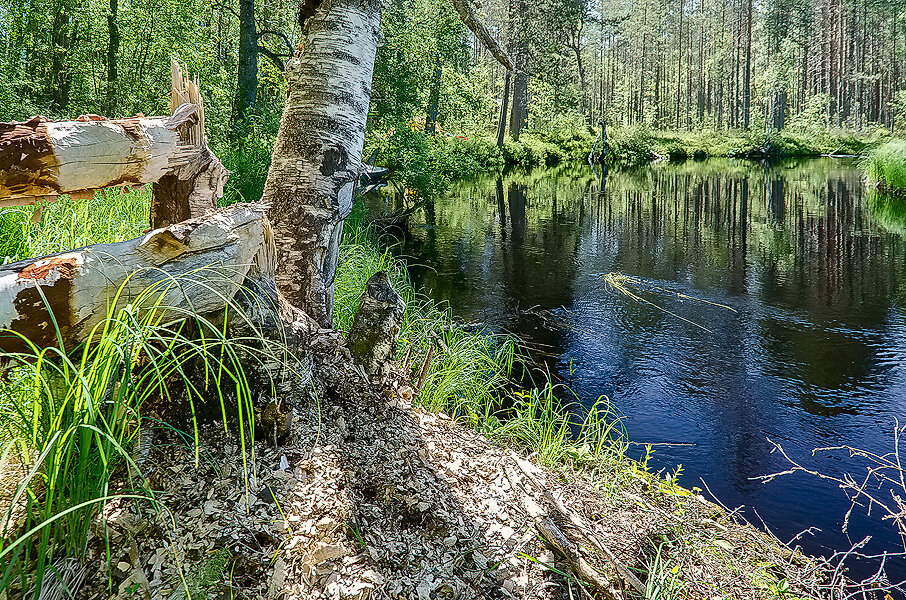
(886,166)
(110,216)
(631,145)
(71,416)
(417,35)
(427,164)
(210,573)
(663,581)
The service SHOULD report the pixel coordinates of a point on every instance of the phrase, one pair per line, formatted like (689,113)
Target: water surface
(813,352)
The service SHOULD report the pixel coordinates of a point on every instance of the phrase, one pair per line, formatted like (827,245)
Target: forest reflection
(813,351)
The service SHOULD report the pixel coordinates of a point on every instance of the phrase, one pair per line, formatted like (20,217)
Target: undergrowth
(70,420)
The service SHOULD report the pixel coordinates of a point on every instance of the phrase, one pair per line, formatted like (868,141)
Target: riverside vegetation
(81,451)
(674,80)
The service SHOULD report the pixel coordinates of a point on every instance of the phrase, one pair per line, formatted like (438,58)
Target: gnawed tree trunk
(504,104)
(778,109)
(41,159)
(197,265)
(318,150)
(191,189)
(247,74)
(113,48)
(376,326)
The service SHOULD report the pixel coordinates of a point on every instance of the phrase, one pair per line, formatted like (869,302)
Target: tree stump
(376,326)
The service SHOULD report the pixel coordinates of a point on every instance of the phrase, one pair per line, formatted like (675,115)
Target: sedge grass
(886,167)
(72,416)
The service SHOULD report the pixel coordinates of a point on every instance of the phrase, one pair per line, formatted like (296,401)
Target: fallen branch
(464,8)
(558,522)
(198,266)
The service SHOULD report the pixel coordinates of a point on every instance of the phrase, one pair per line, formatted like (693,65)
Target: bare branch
(464,8)
(275,58)
(289,45)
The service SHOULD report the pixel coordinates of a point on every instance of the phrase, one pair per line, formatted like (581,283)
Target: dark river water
(808,349)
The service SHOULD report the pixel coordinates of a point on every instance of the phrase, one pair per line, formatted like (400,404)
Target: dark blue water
(808,348)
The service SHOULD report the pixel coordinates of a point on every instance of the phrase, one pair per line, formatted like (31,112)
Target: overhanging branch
(464,8)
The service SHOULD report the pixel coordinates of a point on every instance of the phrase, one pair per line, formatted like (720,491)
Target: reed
(886,167)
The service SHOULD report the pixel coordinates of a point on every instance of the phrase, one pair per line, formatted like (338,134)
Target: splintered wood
(41,159)
(44,159)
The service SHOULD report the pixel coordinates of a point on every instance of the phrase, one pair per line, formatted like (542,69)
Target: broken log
(44,159)
(376,325)
(192,189)
(195,267)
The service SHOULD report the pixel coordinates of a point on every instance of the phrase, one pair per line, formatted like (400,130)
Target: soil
(380,499)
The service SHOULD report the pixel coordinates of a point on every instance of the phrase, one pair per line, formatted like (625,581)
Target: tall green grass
(110,216)
(71,416)
(886,167)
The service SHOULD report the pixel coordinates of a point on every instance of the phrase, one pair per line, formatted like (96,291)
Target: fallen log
(41,160)
(567,532)
(196,266)
(45,159)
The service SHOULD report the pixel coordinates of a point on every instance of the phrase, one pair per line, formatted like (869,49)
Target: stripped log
(197,266)
(44,159)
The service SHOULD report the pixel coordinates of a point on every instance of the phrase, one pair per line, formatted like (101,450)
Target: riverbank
(885,168)
(635,145)
(427,165)
(437,508)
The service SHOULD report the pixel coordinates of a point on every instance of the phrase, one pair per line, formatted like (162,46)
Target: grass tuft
(886,167)
(71,418)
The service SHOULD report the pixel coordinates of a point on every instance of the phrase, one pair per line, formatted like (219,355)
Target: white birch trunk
(309,188)
(44,159)
(199,264)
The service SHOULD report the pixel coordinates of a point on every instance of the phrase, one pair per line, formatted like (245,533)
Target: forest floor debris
(391,501)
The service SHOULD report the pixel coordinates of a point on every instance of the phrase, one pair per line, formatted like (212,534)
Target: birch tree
(318,152)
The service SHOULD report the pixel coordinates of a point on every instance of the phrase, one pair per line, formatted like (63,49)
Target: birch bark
(318,152)
(309,188)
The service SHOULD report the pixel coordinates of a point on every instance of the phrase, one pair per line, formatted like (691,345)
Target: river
(776,310)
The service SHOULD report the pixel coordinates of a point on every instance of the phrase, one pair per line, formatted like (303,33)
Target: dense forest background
(678,65)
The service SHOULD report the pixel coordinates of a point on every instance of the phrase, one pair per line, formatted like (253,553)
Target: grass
(886,167)
(110,216)
(71,417)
